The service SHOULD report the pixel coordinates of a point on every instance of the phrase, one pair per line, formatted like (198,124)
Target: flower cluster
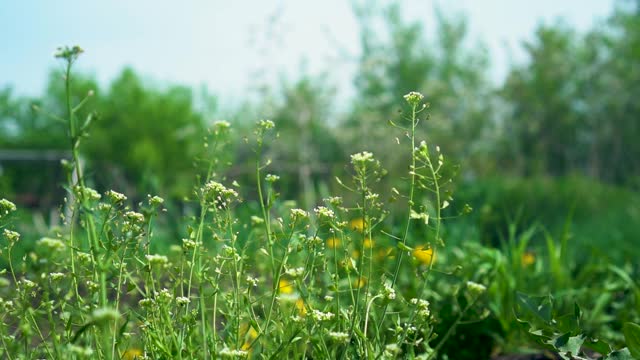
(414,98)
(11,235)
(321,316)
(423,307)
(157,260)
(6,207)
(115,197)
(51,244)
(86,193)
(298,214)
(324,213)
(475,289)
(217,194)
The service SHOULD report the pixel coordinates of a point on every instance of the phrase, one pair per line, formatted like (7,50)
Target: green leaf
(622,354)
(540,306)
(632,337)
(568,346)
(598,346)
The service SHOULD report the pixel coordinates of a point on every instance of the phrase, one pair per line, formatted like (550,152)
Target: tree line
(571,108)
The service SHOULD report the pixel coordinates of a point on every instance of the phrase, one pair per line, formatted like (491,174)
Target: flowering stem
(410,202)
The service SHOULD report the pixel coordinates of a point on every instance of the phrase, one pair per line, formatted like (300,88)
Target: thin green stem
(410,203)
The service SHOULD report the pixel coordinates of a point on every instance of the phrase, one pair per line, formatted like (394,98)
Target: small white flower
(188,244)
(164,295)
(229,353)
(321,316)
(272,178)
(389,292)
(414,98)
(339,336)
(146,303)
(324,212)
(135,217)
(28,284)
(6,207)
(155,201)
(115,196)
(361,157)
(51,244)
(181,300)
(221,125)
(157,259)
(10,235)
(294,273)
(56,276)
(299,214)
(266,124)
(252,281)
(476,289)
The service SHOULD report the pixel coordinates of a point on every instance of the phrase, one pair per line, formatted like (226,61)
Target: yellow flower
(357,224)
(333,243)
(359,282)
(302,309)
(424,254)
(355,254)
(250,335)
(285,287)
(368,243)
(528,258)
(132,354)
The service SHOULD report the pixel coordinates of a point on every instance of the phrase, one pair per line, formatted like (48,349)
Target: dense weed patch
(338,281)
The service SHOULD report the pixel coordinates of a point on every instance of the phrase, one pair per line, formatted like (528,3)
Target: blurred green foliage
(568,111)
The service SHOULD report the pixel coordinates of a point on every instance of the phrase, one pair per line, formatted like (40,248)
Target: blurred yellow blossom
(359,282)
(528,258)
(424,254)
(302,309)
(333,243)
(368,243)
(250,334)
(357,224)
(132,354)
(285,287)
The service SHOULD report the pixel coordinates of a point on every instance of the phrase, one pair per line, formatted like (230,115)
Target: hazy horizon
(224,47)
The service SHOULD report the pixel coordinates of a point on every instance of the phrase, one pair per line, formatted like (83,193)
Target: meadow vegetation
(466,223)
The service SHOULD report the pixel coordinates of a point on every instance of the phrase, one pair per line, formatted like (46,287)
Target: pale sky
(227,45)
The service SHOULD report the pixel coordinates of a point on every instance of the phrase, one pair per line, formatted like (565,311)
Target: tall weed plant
(332,282)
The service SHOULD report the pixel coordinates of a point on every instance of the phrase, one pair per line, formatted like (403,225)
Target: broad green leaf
(622,354)
(598,345)
(568,346)
(632,337)
(540,306)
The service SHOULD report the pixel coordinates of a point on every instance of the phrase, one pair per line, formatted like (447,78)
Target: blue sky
(230,46)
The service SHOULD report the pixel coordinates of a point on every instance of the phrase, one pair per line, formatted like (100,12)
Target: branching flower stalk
(433,176)
(413,99)
(261,129)
(365,166)
(76,131)
(218,134)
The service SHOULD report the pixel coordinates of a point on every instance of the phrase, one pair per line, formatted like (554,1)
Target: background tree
(146,138)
